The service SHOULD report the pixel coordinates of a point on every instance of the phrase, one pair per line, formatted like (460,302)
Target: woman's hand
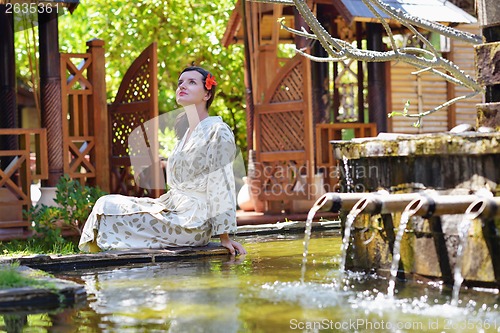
(233,246)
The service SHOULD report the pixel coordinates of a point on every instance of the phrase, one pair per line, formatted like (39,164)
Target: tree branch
(423,59)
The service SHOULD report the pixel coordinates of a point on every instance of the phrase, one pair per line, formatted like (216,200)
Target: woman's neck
(195,115)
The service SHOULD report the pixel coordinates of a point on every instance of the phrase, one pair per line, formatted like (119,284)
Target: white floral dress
(200,201)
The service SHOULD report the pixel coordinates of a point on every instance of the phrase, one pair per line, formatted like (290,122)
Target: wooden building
(74,132)
(295,106)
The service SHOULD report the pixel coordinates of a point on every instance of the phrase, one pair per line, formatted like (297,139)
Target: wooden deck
(243,218)
(253,218)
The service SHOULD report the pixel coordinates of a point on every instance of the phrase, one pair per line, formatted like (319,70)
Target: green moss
(12,277)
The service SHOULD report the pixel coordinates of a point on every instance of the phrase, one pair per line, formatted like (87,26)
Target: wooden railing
(325,161)
(23,166)
(84,113)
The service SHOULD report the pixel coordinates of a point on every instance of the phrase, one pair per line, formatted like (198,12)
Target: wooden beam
(50,93)
(8,104)
(99,111)
(377,80)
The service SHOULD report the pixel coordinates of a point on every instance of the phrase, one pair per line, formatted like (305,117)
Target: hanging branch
(425,60)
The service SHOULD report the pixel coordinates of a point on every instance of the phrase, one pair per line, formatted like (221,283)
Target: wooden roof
(234,33)
(352,11)
(432,10)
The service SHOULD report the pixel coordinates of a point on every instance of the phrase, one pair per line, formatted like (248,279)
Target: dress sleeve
(221,188)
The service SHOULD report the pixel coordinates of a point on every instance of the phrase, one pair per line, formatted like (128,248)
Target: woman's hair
(204,73)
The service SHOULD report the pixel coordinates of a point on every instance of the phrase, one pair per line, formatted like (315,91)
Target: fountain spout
(334,202)
(485,207)
(377,202)
(447,204)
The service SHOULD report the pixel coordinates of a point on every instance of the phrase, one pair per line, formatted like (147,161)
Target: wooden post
(300,23)
(250,112)
(320,75)
(376,79)
(99,113)
(8,104)
(361,75)
(51,98)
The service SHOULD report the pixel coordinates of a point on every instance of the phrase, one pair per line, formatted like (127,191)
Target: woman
(200,201)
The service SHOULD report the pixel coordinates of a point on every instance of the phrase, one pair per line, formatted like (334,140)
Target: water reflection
(263,292)
(167,296)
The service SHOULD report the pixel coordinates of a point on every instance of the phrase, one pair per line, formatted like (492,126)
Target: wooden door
(284,147)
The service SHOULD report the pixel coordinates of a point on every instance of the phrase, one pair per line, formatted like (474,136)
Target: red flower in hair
(210,81)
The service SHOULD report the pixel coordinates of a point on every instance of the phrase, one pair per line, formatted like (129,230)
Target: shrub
(74,204)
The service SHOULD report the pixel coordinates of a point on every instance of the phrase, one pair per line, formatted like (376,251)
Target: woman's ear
(208,94)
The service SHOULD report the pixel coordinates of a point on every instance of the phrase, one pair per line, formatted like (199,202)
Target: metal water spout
(485,207)
(334,202)
(453,204)
(381,202)
(372,203)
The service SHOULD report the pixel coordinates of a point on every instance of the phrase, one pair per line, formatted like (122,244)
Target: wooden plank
(279,107)
(13,224)
(282,155)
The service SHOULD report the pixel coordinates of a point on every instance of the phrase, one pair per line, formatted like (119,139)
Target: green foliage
(76,201)
(37,245)
(74,204)
(11,277)
(167,140)
(405,112)
(187,32)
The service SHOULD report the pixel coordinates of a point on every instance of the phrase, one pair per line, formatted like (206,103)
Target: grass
(11,277)
(37,246)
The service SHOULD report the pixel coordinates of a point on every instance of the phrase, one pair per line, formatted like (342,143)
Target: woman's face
(190,89)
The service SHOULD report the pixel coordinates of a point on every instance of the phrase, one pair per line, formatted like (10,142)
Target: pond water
(263,292)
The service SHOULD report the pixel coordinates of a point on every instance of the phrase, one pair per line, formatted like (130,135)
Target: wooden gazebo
(295,106)
(74,134)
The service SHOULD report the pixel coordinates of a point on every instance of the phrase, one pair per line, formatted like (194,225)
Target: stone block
(488,115)
(487,62)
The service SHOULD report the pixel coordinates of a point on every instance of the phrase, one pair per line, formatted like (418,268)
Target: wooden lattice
(280,178)
(139,88)
(290,88)
(136,102)
(79,141)
(467,5)
(84,116)
(27,163)
(121,125)
(283,132)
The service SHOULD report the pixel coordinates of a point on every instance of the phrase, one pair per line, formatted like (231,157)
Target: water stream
(307,238)
(351,217)
(396,253)
(463,233)
(407,213)
(261,292)
(458,279)
(349,183)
